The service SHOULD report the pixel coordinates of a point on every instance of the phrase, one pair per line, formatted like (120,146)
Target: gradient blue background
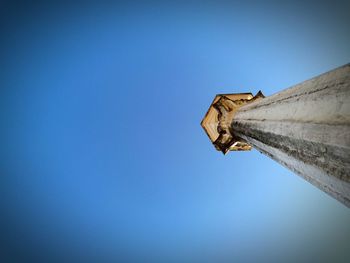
(102,155)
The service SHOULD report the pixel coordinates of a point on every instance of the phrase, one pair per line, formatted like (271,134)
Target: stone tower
(306,128)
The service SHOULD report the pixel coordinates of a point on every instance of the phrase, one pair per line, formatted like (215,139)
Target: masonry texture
(306,128)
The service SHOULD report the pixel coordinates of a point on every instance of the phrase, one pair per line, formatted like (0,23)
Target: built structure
(306,128)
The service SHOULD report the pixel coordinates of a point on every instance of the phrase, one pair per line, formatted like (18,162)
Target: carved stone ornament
(218,119)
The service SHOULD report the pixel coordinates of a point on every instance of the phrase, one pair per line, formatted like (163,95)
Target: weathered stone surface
(306,128)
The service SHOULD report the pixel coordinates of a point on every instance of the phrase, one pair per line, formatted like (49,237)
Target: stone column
(306,128)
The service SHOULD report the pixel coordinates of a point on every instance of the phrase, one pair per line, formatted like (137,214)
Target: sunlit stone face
(217,121)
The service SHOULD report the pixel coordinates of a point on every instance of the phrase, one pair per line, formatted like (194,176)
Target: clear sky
(102,155)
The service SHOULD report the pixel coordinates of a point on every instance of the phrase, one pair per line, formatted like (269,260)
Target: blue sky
(103,156)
